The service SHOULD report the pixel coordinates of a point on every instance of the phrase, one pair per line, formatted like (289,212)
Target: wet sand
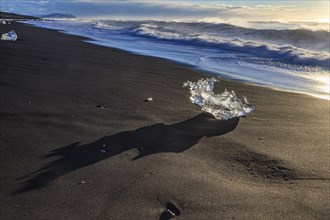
(79,142)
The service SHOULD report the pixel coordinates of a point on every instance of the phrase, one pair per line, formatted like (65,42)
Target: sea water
(286,56)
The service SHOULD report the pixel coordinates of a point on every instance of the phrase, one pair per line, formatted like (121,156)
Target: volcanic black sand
(78,141)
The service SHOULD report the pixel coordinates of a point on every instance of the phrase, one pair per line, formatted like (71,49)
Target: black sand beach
(79,142)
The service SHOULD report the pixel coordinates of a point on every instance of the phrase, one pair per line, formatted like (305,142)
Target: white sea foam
(223,106)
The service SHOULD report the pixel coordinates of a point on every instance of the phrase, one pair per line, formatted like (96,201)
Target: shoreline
(205,72)
(301,86)
(131,159)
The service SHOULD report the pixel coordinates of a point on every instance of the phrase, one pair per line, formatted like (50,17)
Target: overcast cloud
(174,10)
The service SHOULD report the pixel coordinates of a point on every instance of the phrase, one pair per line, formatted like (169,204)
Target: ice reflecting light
(223,106)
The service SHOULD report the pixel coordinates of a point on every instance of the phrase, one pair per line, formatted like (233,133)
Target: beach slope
(79,141)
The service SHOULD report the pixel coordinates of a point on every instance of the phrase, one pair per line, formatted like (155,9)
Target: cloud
(27,7)
(177,10)
(165,10)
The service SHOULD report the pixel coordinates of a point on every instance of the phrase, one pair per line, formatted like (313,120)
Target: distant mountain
(58,15)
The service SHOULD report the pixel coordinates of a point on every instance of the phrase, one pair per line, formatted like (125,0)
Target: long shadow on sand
(158,138)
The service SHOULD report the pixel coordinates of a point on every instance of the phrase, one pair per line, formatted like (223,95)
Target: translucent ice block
(223,106)
(11,36)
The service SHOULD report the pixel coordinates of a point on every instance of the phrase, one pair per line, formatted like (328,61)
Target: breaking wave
(301,46)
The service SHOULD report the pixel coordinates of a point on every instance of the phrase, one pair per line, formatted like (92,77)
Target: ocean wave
(228,30)
(289,46)
(299,47)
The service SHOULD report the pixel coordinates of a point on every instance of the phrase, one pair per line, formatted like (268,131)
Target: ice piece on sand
(223,106)
(11,36)
(149,99)
(3,22)
(170,212)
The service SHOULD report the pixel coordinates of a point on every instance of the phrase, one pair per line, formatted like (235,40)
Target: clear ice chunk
(11,36)
(223,106)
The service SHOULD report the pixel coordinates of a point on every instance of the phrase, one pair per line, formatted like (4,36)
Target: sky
(181,10)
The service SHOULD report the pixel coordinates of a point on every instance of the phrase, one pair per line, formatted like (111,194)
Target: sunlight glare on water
(325,87)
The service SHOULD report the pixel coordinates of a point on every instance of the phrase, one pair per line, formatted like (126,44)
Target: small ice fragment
(149,99)
(103,151)
(100,106)
(3,22)
(223,106)
(82,182)
(10,36)
(103,145)
(141,149)
(169,212)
